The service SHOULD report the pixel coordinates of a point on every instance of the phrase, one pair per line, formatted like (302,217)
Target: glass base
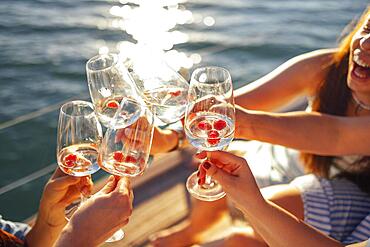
(117,236)
(207,192)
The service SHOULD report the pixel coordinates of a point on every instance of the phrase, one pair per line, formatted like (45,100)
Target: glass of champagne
(78,140)
(209,123)
(163,89)
(108,82)
(125,147)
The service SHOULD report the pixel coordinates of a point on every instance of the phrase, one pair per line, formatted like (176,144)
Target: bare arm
(100,216)
(269,92)
(277,226)
(310,132)
(298,76)
(284,229)
(60,191)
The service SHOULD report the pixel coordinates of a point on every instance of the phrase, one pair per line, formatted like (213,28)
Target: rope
(33,176)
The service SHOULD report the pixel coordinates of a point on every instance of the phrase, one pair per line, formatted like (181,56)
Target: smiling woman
(333,136)
(345,88)
(359,67)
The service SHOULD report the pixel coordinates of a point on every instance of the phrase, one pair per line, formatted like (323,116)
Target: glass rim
(80,103)
(200,69)
(96,57)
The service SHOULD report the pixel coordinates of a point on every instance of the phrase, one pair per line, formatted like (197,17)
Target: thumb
(224,178)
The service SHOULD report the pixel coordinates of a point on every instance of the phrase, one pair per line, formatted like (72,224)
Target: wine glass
(125,148)
(108,81)
(163,89)
(209,122)
(78,140)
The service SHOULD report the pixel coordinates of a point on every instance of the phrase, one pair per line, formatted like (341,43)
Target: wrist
(252,205)
(43,234)
(51,216)
(69,237)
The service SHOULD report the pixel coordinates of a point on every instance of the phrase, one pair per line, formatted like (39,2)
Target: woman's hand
(164,140)
(100,216)
(60,191)
(233,173)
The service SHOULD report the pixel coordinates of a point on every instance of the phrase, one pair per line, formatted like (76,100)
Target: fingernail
(206,165)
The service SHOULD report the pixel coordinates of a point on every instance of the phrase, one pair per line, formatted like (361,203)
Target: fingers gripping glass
(209,123)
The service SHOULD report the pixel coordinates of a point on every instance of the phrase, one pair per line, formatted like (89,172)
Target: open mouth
(360,69)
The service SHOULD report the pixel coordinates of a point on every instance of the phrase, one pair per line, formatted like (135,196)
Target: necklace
(360,104)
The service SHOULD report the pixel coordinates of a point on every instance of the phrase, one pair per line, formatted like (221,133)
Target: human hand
(164,140)
(233,173)
(59,192)
(100,216)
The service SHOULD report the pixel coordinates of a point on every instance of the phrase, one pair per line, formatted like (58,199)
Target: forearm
(68,237)
(310,132)
(43,234)
(280,228)
(259,95)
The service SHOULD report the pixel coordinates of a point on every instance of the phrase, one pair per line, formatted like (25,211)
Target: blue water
(44,45)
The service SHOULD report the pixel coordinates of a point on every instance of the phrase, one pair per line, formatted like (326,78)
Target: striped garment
(337,207)
(15,228)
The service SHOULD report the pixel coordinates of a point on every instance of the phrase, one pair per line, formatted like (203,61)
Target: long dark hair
(333,97)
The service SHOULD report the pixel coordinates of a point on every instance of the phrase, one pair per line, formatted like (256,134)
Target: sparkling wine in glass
(209,122)
(125,148)
(109,81)
(78,139)
(163,89)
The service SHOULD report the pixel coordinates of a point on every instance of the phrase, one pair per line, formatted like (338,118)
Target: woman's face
(359,61)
